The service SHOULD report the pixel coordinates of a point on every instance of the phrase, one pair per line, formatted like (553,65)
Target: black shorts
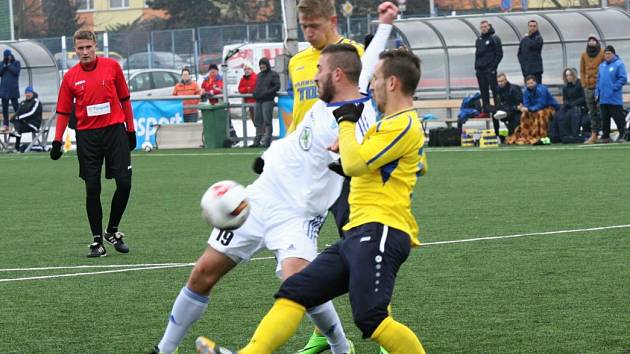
(363,264)
(110,144)
(341,209)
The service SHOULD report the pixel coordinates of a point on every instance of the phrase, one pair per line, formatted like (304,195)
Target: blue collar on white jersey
(365,98)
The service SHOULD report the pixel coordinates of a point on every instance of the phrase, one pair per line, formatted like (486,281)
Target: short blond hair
(317,8)
(83,34)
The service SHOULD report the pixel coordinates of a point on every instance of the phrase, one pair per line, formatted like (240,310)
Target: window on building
(85,5)
(118,4)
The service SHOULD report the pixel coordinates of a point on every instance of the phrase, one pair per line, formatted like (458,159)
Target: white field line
(127,267)
(543,233)
(90,273)
(135,267)
(94,266)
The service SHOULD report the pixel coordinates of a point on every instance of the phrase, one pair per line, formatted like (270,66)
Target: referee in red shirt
(97,89)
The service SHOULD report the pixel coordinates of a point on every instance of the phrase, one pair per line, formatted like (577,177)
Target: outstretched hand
(387,12)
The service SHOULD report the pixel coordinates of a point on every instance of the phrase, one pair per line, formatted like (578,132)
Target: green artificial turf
(540,293)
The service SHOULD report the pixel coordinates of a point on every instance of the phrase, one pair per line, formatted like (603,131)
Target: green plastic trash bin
(215,125)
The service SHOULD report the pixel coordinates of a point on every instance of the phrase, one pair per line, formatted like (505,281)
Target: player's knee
(202,279)
(368,321)
(123,184)
(93,187)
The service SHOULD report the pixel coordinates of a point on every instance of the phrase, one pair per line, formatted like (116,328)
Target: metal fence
(196,48)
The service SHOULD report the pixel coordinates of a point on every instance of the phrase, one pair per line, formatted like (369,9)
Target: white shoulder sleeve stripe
(32,111)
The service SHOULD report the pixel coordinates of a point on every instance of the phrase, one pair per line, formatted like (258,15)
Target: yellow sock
(276,328)
(397,338)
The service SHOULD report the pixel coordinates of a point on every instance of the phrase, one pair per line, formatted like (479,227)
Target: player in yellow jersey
(318,21)
(381,230)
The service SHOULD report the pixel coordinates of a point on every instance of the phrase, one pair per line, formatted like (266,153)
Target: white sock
(187,309)
(326,319)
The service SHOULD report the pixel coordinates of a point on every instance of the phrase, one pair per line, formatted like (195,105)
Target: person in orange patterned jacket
(188,87)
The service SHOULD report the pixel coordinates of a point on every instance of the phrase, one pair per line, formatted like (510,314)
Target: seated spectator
(246,86)
(567,124)
(188,87)
(537,111)
(28,117)
(508,99)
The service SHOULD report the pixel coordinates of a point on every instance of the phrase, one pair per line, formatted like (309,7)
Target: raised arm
(387,12)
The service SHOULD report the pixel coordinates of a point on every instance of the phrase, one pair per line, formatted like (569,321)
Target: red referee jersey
(100,94)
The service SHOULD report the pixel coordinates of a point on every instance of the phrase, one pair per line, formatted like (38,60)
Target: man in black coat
(267,85)
(488,55)
(508,99)
(28,117)
(530,52)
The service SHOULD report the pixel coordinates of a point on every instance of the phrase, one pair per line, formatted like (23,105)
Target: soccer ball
(147,146)
(225,206)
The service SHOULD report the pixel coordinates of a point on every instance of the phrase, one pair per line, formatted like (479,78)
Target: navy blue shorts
(341,209)
(363,264)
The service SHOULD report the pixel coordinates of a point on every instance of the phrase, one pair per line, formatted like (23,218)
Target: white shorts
(272,227)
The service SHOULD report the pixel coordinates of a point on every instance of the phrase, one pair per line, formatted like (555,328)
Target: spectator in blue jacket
(9,90)
(537,97)
(609,92)
(537,111)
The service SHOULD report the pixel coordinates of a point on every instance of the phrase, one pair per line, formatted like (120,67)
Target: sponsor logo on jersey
(306,138)
(79,83)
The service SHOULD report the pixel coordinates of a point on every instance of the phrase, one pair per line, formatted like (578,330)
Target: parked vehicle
(152,82)
(161,60)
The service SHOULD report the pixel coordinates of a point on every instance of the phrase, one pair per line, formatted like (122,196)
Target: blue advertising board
(148,114)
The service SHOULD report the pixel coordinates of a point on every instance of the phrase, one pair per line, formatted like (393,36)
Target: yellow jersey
(393,151)
(302,70)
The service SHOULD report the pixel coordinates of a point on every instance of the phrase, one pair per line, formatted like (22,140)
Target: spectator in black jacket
(570,121)
(488,55)
(530,53)
(572,92)
(267,85)
(28,117)
(508,98)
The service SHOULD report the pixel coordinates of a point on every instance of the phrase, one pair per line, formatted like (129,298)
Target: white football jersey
(296,168)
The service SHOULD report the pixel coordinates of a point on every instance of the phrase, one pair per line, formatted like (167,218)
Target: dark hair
(213,66)
(610,48)
(186,69)
(530,21)
(531,77)
(404,65)
(345,57)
